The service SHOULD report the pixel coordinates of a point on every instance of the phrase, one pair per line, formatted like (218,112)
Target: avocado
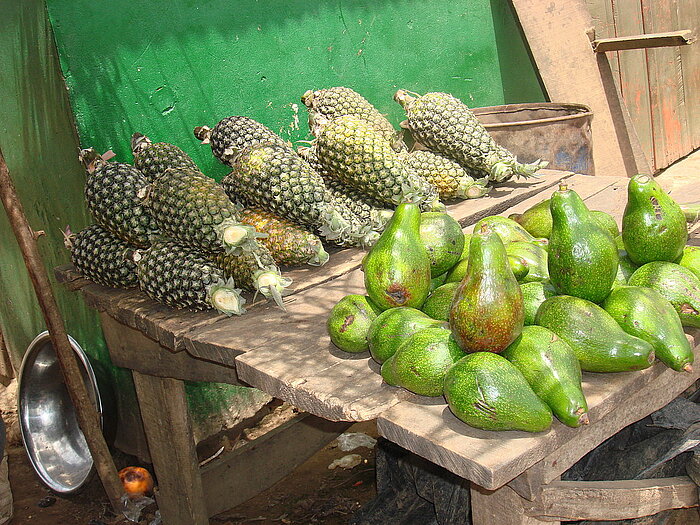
(653,225)
(438,303)
(486,391)
(552,370)
(437,282)
(397,268)
(421,362)
(392,327)
(508,230)
(487,311)
(625,268)
(349,322)
(537,220)
(645,313)
(677,284)
(606,221)
(443,240)
(691,259)
(535,257)
(518,265)
(583,258)
(534,294)
(595,337)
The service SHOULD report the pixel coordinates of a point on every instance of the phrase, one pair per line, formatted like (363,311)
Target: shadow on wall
(141,67)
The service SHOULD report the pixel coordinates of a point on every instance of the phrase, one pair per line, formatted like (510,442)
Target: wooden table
(289,356)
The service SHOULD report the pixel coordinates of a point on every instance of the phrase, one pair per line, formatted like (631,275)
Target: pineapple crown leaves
(226,298)
(270,283)
(379,218)
(468,188)
(529,170)
(68,238)
(203,133)
(404,97)
(333,224)
(93,160)
(139,142)
(237,237)
(320,256)
(308,98)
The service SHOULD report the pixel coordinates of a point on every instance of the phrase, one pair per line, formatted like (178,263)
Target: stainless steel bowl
(54,442)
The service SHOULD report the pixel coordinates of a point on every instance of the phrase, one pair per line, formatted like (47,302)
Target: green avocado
(534,256)
(507,229)
(691,259)
(486,391)
(534,294)
(349,322)
(443,240)
(438,303)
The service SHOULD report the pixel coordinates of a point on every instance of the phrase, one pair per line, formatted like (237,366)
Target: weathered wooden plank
(689,15)
(256,466)
(556,33)
(669,38)
(604,25)
(168,428)
(614,500)
(501,506)
(428,428)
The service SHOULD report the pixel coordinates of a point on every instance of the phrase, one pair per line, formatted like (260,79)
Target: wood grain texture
(670,38)
(491,459)
(502,506)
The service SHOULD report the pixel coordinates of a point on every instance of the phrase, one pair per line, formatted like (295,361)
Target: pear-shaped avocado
(443,239)
(349,322)
(392,327)
(676,283)
(534,294)
(552,370)
(653,225)
(458,271)
(583,257)
(487,311)
(421,362)
(397,268)
(518,266)
(437,282)
(465,251)
(438,303)
(645,313)
(486,391)
(595,337)
(537,220)
(691,259)
(508,230)
(534,256)
(625,268)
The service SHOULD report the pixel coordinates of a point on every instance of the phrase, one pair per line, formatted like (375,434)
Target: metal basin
(54,442)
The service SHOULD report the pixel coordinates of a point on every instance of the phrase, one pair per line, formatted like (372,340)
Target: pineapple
(254,271)
(452,180)
(178,276)
(353,151)
(103,257)
(276,179)
(326,104)
(193,209)
(288,243)
(233,134)
(152,159)
(446,125)
(111,192)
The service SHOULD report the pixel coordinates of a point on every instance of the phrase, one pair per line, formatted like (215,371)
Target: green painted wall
(142,66)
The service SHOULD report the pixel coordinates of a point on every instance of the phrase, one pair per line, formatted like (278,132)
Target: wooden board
(426,426)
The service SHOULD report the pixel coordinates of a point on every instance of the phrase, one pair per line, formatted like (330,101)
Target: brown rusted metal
(87,416)
(558,133)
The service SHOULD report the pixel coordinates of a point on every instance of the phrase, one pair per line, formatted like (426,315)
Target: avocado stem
(688,367)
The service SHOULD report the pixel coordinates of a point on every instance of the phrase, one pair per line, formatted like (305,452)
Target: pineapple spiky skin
(288,243)
(273,177)
(193,209)
(233,134)
(334,102)
(451,179)
(111,193)
(181,277)
(446,125)
(154,158)
(103,257)
(352,150)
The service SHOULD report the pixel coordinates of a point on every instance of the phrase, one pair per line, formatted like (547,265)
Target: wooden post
(88,418)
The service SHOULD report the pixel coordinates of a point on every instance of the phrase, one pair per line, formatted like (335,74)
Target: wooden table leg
(166,421)
(502,506)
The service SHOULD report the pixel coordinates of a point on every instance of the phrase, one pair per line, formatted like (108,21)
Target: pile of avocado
(502,321)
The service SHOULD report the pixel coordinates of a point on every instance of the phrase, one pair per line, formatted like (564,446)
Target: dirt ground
(311,494)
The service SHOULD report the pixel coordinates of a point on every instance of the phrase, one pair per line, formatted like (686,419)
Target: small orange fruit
(137,481)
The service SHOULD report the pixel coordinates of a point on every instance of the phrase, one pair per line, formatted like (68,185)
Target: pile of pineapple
(189,242)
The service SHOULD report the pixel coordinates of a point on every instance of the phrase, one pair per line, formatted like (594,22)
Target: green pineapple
(327,104)
(233,134)
(181,277)
(446,125)
(193,209)
(254,271)
(276,179)
(111,193)
(153,158)
(288,243)
(452,180)
(103,257)
(352,150)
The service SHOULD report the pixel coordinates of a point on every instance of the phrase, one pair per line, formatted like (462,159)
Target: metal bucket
(558,133)
(54,442)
